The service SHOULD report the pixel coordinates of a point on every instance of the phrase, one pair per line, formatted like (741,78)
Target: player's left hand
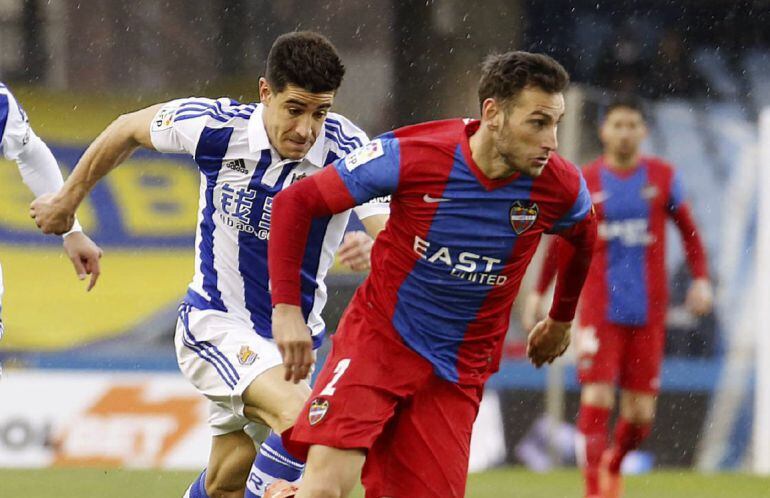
(700,297)
(547,341)
(52,214)
(356,250)
(85,255)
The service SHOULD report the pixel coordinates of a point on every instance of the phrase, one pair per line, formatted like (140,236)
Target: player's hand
(700,297)
(52,214)
(356,250)
(547,341)
(533,311)
(293,339)
(85,255)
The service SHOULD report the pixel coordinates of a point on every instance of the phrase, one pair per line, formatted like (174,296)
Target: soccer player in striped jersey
(623,307)
(41,175)
(246,154)
(401,388)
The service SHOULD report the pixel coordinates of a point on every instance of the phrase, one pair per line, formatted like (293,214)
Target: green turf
(86,483)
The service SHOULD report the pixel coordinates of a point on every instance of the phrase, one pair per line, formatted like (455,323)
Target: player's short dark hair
(504,76)
(626,102)
(304,59)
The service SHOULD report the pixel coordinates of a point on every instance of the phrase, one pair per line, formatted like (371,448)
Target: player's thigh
(642,359)
(229,463)
(368,371)
(331,471)
(599,348)
(598,394)
(221,356)
(275,400)
(425,450)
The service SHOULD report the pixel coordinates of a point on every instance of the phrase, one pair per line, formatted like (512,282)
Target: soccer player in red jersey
(401,388)
(621,318)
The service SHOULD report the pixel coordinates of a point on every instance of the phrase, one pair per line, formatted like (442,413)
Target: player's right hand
(533,311)
(292,336)
(547,341)
(51,215)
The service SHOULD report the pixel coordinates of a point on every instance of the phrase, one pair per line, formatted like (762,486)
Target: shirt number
(342,365)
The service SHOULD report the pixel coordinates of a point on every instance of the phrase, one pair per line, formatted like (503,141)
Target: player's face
(293,117)
(623,132)
(527,130)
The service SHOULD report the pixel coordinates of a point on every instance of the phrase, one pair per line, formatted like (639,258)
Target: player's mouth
(541,161)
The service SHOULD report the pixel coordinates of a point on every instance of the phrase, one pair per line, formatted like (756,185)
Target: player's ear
(491,112)
(264,90)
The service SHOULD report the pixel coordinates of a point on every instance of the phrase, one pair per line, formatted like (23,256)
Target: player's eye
(321,114)
(538,123)
(295,111)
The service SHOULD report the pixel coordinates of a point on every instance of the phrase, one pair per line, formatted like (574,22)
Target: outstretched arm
(55,213)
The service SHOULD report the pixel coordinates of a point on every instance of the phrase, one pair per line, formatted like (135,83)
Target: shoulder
(428,141)
(342,135)
(563,173)
(659,170)
(213,112)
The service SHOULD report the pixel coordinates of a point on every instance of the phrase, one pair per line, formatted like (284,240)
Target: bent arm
(574,256)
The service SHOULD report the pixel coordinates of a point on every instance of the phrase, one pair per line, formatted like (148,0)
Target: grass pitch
(502,483)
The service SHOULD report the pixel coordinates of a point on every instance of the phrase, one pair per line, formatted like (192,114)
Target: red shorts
(631,356)
(376,394)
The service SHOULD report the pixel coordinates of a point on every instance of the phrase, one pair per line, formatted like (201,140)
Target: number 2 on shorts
(342,365)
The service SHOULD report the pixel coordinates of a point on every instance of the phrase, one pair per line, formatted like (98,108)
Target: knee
(599,395)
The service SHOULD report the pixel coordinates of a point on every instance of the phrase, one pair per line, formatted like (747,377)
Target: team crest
(317,412)
(523,215)
(246,356)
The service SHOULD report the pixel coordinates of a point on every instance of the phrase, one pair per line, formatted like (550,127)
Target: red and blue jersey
(627,282)
(447,267)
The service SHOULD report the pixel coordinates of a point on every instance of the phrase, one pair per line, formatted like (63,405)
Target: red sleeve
(293,211)
(693,246)
(549,266)
(574,256)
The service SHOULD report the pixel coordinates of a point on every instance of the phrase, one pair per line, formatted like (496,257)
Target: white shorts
(221,355)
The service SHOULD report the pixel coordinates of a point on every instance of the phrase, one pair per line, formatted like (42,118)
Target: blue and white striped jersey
(15,131)
(240,175)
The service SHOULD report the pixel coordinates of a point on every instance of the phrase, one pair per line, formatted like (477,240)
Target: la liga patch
(164,119)
(318,409)
(370,151)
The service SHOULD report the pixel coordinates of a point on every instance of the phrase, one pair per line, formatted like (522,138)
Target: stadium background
(90,379)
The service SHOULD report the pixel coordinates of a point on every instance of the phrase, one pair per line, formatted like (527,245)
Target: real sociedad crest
(317,412)
(523,215)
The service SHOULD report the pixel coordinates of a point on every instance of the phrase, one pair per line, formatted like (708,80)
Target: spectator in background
(673,74)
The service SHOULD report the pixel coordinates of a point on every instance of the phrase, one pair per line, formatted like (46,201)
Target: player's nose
(304,128)
(550,141)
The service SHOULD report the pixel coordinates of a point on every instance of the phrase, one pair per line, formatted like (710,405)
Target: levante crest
(318,409)
(523,215)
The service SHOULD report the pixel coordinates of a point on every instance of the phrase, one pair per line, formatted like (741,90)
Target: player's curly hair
(305,59)
(504,76)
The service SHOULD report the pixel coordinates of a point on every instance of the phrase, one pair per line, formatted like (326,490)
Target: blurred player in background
(402,385)
(41,175)
(246,155)
(621,319)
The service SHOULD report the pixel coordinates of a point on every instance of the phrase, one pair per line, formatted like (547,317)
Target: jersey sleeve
(14,126)
(178,124)
(372,171)
(581,207)
(676,196)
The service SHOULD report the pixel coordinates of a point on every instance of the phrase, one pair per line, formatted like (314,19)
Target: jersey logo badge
(238,165)
(370,151)
(246,356)
(317,412)
(296,178)
(432,200)
(523,215)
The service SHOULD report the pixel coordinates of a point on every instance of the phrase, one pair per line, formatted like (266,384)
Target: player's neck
(486,157)
(616,161)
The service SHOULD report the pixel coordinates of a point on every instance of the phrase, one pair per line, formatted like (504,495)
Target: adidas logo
(238,165)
